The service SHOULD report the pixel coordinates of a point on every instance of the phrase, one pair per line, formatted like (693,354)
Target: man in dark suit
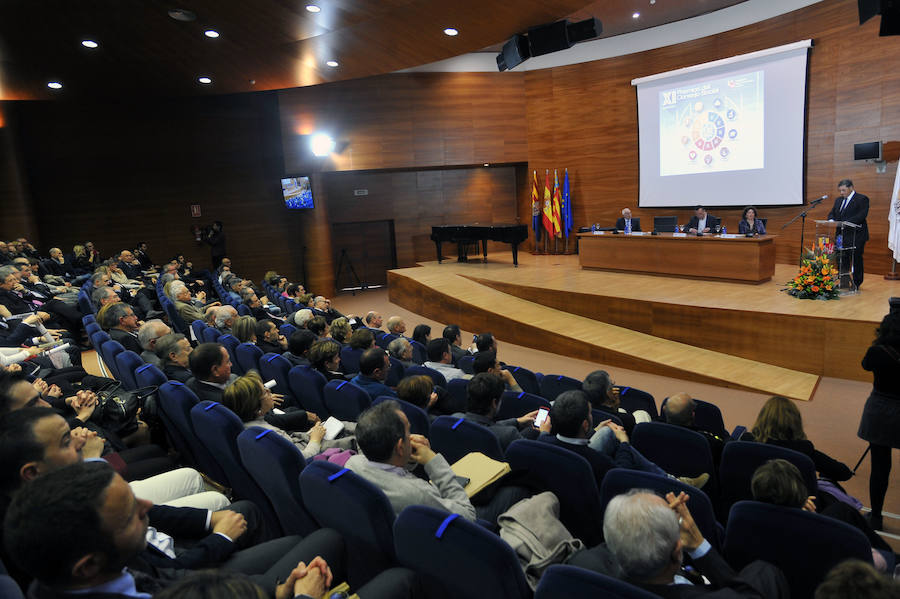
(702,221)
(852,207)
(81,527)
(626,223)
(484,391)
(648,536)
(124,326)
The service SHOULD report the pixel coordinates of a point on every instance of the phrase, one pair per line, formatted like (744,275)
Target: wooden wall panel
(584,117)
(18,219)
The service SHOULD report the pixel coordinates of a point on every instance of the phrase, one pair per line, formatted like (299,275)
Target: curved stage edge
(729,334)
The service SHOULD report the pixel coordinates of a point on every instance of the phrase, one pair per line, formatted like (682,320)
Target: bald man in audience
(679,410)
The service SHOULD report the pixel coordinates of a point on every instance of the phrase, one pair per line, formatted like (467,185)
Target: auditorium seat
(126,363)
(436,376)
(350,359)
(707,416)
(418,418)
(217,427)
(287,330)
(554,384)
(459,390)
(197,327)
(420,354)
(455,437)
(677,450)
(526,379)
(9,589)
(149,375)
(248,356)
(210,335)
(740,459)
(568,582)
(395,374)
(568,476)
(806,546)
(384,339)
(466,364)
(276,367)
(457,558)
(344,400)
(340,499)
(231,342)
(518,403)
(631,399)
(274,463)
(308,385)
(109,351)
(176,401)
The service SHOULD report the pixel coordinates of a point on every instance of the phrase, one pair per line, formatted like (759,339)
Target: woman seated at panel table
(750,224)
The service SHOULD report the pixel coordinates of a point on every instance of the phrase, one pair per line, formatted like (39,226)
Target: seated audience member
(225,316)
(487,362)
(294,291)
(779,423)
(140,254)
(174,352)
(401,349)
(439,358)
(382,433)
(79,526)
(648,536)
(325,357)
(58,266)
(626,223)
(19,300)
(298,347)
(102,296)
(259,306)
(607,446)
(483,399)
(211,366)
(252,402)
(340,329)
(80,260)
(452,334)
(374,366)
(396,326)
(485,342)
(244,328)
(374,321)
(422,334)
(268,339)
(301,317)
(362,339)
(779,482)
(188,308)
(679,410)
(859,580)
(123,326)
(130,266)
(148,336)
(318,326)
(322,307)
(599,388)
(418,390)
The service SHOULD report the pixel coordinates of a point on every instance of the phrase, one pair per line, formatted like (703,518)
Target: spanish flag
(548,210)
(556,217)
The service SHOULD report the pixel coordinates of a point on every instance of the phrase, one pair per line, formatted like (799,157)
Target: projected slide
(712,126)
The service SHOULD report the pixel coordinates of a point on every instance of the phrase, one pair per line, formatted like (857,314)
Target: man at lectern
(853,207)
(702,221)
(626,223)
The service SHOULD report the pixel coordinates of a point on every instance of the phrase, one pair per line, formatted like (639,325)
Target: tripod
(343,260)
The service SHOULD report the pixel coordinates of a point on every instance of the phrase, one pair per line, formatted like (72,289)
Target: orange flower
(825,270)
(828,287)
(815,288)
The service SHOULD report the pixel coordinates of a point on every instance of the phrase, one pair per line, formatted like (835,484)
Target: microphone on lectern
(814,202)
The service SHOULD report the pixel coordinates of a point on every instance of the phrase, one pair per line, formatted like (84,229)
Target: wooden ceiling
(268,44)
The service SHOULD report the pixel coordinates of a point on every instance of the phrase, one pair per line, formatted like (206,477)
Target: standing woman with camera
(216,239)
(880,424)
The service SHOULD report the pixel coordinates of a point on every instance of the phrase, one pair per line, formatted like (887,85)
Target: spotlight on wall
(321,144)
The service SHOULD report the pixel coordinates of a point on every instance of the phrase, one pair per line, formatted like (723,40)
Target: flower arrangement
(818,277)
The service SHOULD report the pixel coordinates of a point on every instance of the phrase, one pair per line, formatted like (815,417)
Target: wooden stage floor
(745,336)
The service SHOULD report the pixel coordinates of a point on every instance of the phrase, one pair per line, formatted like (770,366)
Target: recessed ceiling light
(451,31)
(332,63)
(204,80)
(89,44)
(313,8)
(54,85)
(183,15)
(322,144)
(211,33)
(635,15)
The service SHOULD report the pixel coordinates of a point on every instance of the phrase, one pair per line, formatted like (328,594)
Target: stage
(753,337)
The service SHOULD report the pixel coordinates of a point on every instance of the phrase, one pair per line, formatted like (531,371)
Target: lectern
(837,241)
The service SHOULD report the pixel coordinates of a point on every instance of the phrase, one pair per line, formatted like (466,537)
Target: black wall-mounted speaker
(584,30)
(514,53)
(546,39)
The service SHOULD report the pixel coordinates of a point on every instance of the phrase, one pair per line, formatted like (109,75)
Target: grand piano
(464,235)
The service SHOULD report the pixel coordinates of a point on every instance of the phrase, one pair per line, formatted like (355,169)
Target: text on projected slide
(712,126)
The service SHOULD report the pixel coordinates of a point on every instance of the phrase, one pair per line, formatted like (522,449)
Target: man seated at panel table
(702,221)
(626,223)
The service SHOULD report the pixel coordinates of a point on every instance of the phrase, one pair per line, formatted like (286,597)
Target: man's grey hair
(597,385)
(114,313)
(150,331)
(166,278)
(641,531)
(100,294)
(223,314)
(168,344)
(5,271)
(301,317)
(175,288)
(397,347)
(393,322)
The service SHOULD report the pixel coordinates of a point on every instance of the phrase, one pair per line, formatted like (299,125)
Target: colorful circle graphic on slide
(708,132)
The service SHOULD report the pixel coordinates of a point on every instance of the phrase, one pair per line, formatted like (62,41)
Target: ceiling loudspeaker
(584,30)
(514,53)
(546,39)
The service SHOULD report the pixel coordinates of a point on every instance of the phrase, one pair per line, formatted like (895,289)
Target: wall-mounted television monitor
(297,193)
(867,151)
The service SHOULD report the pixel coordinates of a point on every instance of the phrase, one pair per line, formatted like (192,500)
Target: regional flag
(567,206)
(535,208)
(548,210)
(557,215)
(894,218)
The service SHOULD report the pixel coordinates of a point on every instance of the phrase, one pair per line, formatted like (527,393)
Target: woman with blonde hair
(779,423)
(244,328)
(251,401)
(340,329)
